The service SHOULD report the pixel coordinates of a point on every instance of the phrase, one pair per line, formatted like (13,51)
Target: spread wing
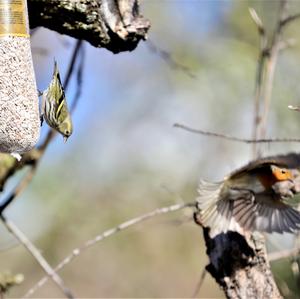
(215,208)
(266,214)
(225,209)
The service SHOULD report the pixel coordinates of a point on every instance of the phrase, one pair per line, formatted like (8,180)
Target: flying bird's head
(273,174)
(281,174)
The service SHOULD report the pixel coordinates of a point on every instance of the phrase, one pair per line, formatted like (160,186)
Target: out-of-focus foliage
(125,158)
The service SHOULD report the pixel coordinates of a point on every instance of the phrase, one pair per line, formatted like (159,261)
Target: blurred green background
(125,157)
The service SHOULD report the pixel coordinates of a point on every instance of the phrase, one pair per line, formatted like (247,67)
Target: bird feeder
(19,108)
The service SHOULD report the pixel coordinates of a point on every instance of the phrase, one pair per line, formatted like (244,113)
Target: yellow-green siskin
(54,106)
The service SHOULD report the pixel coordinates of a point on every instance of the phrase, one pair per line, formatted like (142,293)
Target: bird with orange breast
(252,198)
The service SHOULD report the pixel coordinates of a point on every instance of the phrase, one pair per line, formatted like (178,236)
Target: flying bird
(252,198)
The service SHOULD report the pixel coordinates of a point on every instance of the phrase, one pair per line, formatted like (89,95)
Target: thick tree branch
(116,25)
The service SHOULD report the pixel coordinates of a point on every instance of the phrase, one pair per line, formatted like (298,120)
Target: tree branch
(108,233)
(20,236)
(259,75)
(116,25)
(233,138)
(170,61)
(269,51)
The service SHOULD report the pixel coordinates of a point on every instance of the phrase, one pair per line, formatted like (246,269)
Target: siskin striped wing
(54,100)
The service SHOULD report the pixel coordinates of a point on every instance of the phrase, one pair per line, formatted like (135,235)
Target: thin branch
(19,189)
(232,138)
(167,57)
(274,256)
(271,62)
(266,69)
(295,108)
(72,63)
(289,19)
(259,75)
(79,80)
(257,21)
(108,233)
(21,237)
(200,283)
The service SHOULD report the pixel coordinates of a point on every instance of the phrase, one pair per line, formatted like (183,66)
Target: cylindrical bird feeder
(19,108)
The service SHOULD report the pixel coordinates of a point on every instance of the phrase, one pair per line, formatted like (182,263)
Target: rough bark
(116,25)
(240,266)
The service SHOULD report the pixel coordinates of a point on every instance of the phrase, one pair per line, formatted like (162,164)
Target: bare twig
(108,233)
(294,108)
(19,189)
(257,21)
(289,19)
(266,69)
(79,78)
(167,57)
(21,237)
(72,63)
(259,75)
(199,283)
(232,138)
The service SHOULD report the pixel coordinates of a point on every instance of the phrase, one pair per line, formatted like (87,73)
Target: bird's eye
(67,132)
(283,171)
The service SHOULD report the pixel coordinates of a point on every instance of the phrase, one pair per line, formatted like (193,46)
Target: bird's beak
(65,139)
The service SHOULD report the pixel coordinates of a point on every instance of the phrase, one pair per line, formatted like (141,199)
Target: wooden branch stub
(240,265)
(116,25)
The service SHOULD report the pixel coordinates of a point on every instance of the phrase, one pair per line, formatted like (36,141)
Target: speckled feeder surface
(19,113)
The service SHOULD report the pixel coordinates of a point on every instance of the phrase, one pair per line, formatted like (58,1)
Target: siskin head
(65,128)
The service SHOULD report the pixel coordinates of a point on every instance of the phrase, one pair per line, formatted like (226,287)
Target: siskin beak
(65,139)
